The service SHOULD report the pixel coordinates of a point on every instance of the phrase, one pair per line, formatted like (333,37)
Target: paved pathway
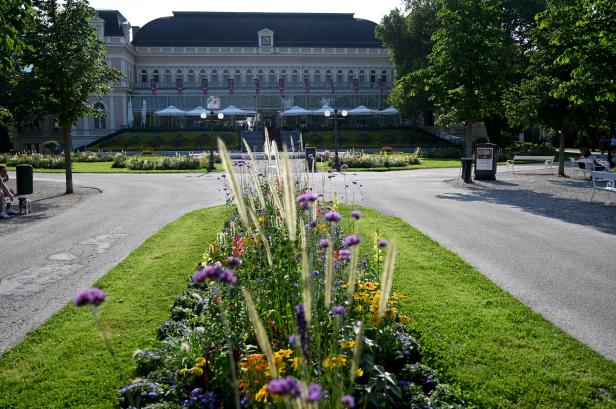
(562,269)
(44,263)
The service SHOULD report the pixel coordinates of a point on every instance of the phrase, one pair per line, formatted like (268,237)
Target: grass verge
(425,164)
(64,363)
(498,351)
(105,167)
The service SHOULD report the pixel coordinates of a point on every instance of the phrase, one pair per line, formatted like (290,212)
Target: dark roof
(221,29)
(113,22)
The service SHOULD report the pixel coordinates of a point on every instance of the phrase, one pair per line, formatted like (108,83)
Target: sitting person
(6,195)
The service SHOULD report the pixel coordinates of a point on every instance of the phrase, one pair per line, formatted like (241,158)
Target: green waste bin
(25,180)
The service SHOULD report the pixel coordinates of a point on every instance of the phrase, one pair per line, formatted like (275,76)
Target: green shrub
(358,160)
(526,149)
(93,156)
(36,160)
(178,162)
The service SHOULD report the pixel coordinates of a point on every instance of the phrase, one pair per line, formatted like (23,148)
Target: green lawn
(495,349)
(64,363)
(480,339)
(105,167)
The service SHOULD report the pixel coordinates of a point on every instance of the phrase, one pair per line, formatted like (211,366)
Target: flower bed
(48,161)
(286,310)
(359,160)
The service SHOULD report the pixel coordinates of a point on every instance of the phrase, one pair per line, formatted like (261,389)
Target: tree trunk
(468,138)
(561,155)
(67,159)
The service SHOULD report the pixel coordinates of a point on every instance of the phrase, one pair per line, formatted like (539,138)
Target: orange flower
(237,245)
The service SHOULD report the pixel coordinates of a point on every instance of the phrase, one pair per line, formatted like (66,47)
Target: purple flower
(352,240)
(349,401)
(332,216)
(228,276)
(211,271)
(344,166)
(293,339)
(315,393)
(285,386)
(381,244)
(94,296)
(344,254)
(338,310)
(302,328)
(356,214)
(324,243)
(233,262)
(312,224)
(307,197)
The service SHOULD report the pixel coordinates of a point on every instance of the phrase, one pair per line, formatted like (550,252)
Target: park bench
(605,181)
(588,165)
(548,161)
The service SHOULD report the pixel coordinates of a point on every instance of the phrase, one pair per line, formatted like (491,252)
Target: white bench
(603,181)
(588,165)
(548,161)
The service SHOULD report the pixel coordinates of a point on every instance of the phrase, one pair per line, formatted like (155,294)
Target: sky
(139,12)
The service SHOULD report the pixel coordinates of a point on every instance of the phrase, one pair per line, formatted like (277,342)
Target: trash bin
(467,167)
(311,157)
(485,161)
(25,180)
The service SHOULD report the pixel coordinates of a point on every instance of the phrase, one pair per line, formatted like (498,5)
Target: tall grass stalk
(255,177)
(237,192)
(306,294)
(268,251)
(329,275)
(387,278)
(262,338)
(289,195)
(359,341)
(352,275)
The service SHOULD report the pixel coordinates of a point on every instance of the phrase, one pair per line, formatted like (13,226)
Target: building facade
(262,62)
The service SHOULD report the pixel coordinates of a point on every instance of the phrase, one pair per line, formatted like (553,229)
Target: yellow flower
(361,296)
(183,371)
(405,318)
(399,295)
(261,219)
(197,371)
(359,373)
(295,363)
(347,344)
(335,362)
(279,357)
(390,313)
(262,395)
(369,285)
(285,353)
(358,308)
(200,362)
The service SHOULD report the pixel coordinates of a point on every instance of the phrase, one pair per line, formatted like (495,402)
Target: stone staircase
(254,139)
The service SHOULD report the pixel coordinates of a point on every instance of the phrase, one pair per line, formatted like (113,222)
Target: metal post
(211,166)
(336,157)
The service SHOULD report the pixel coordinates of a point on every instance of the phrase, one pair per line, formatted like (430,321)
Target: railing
(264,85)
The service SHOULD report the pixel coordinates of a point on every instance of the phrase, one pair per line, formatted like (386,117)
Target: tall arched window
(384,76)
(215,76)
(362,77)
(339,77)
(144,77)
(237,77)
(261,76)
(191,76)
(328,76)
(306,75)
(295,77)
(249,77)
(283,75)
(225,76)
(351,76)
(202,75)
(167,78)
(100,123)
(317,76)
(179,75)
(272,76)
(372,76)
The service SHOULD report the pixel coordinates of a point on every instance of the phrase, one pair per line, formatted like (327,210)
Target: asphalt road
(564,270)
(45,263)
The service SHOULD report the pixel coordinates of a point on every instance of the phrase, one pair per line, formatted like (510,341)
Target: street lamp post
(343,114)
(211,166)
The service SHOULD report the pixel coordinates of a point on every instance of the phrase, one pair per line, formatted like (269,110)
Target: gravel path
(535,235)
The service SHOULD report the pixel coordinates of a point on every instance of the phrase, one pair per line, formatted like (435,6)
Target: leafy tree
(550,95)
(409,40)
(69,65)
(469,65)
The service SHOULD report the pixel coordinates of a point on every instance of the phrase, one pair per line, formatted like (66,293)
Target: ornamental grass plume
(387,279)
(329,274)
(268,251)
(359,340)
(306,295)
(352,275)
(237,192)
(262,338)
(255,176)
(289,194)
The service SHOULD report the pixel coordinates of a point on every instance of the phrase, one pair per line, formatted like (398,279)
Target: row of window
(272,76)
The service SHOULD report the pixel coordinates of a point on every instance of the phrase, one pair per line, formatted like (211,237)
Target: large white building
(264,62)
